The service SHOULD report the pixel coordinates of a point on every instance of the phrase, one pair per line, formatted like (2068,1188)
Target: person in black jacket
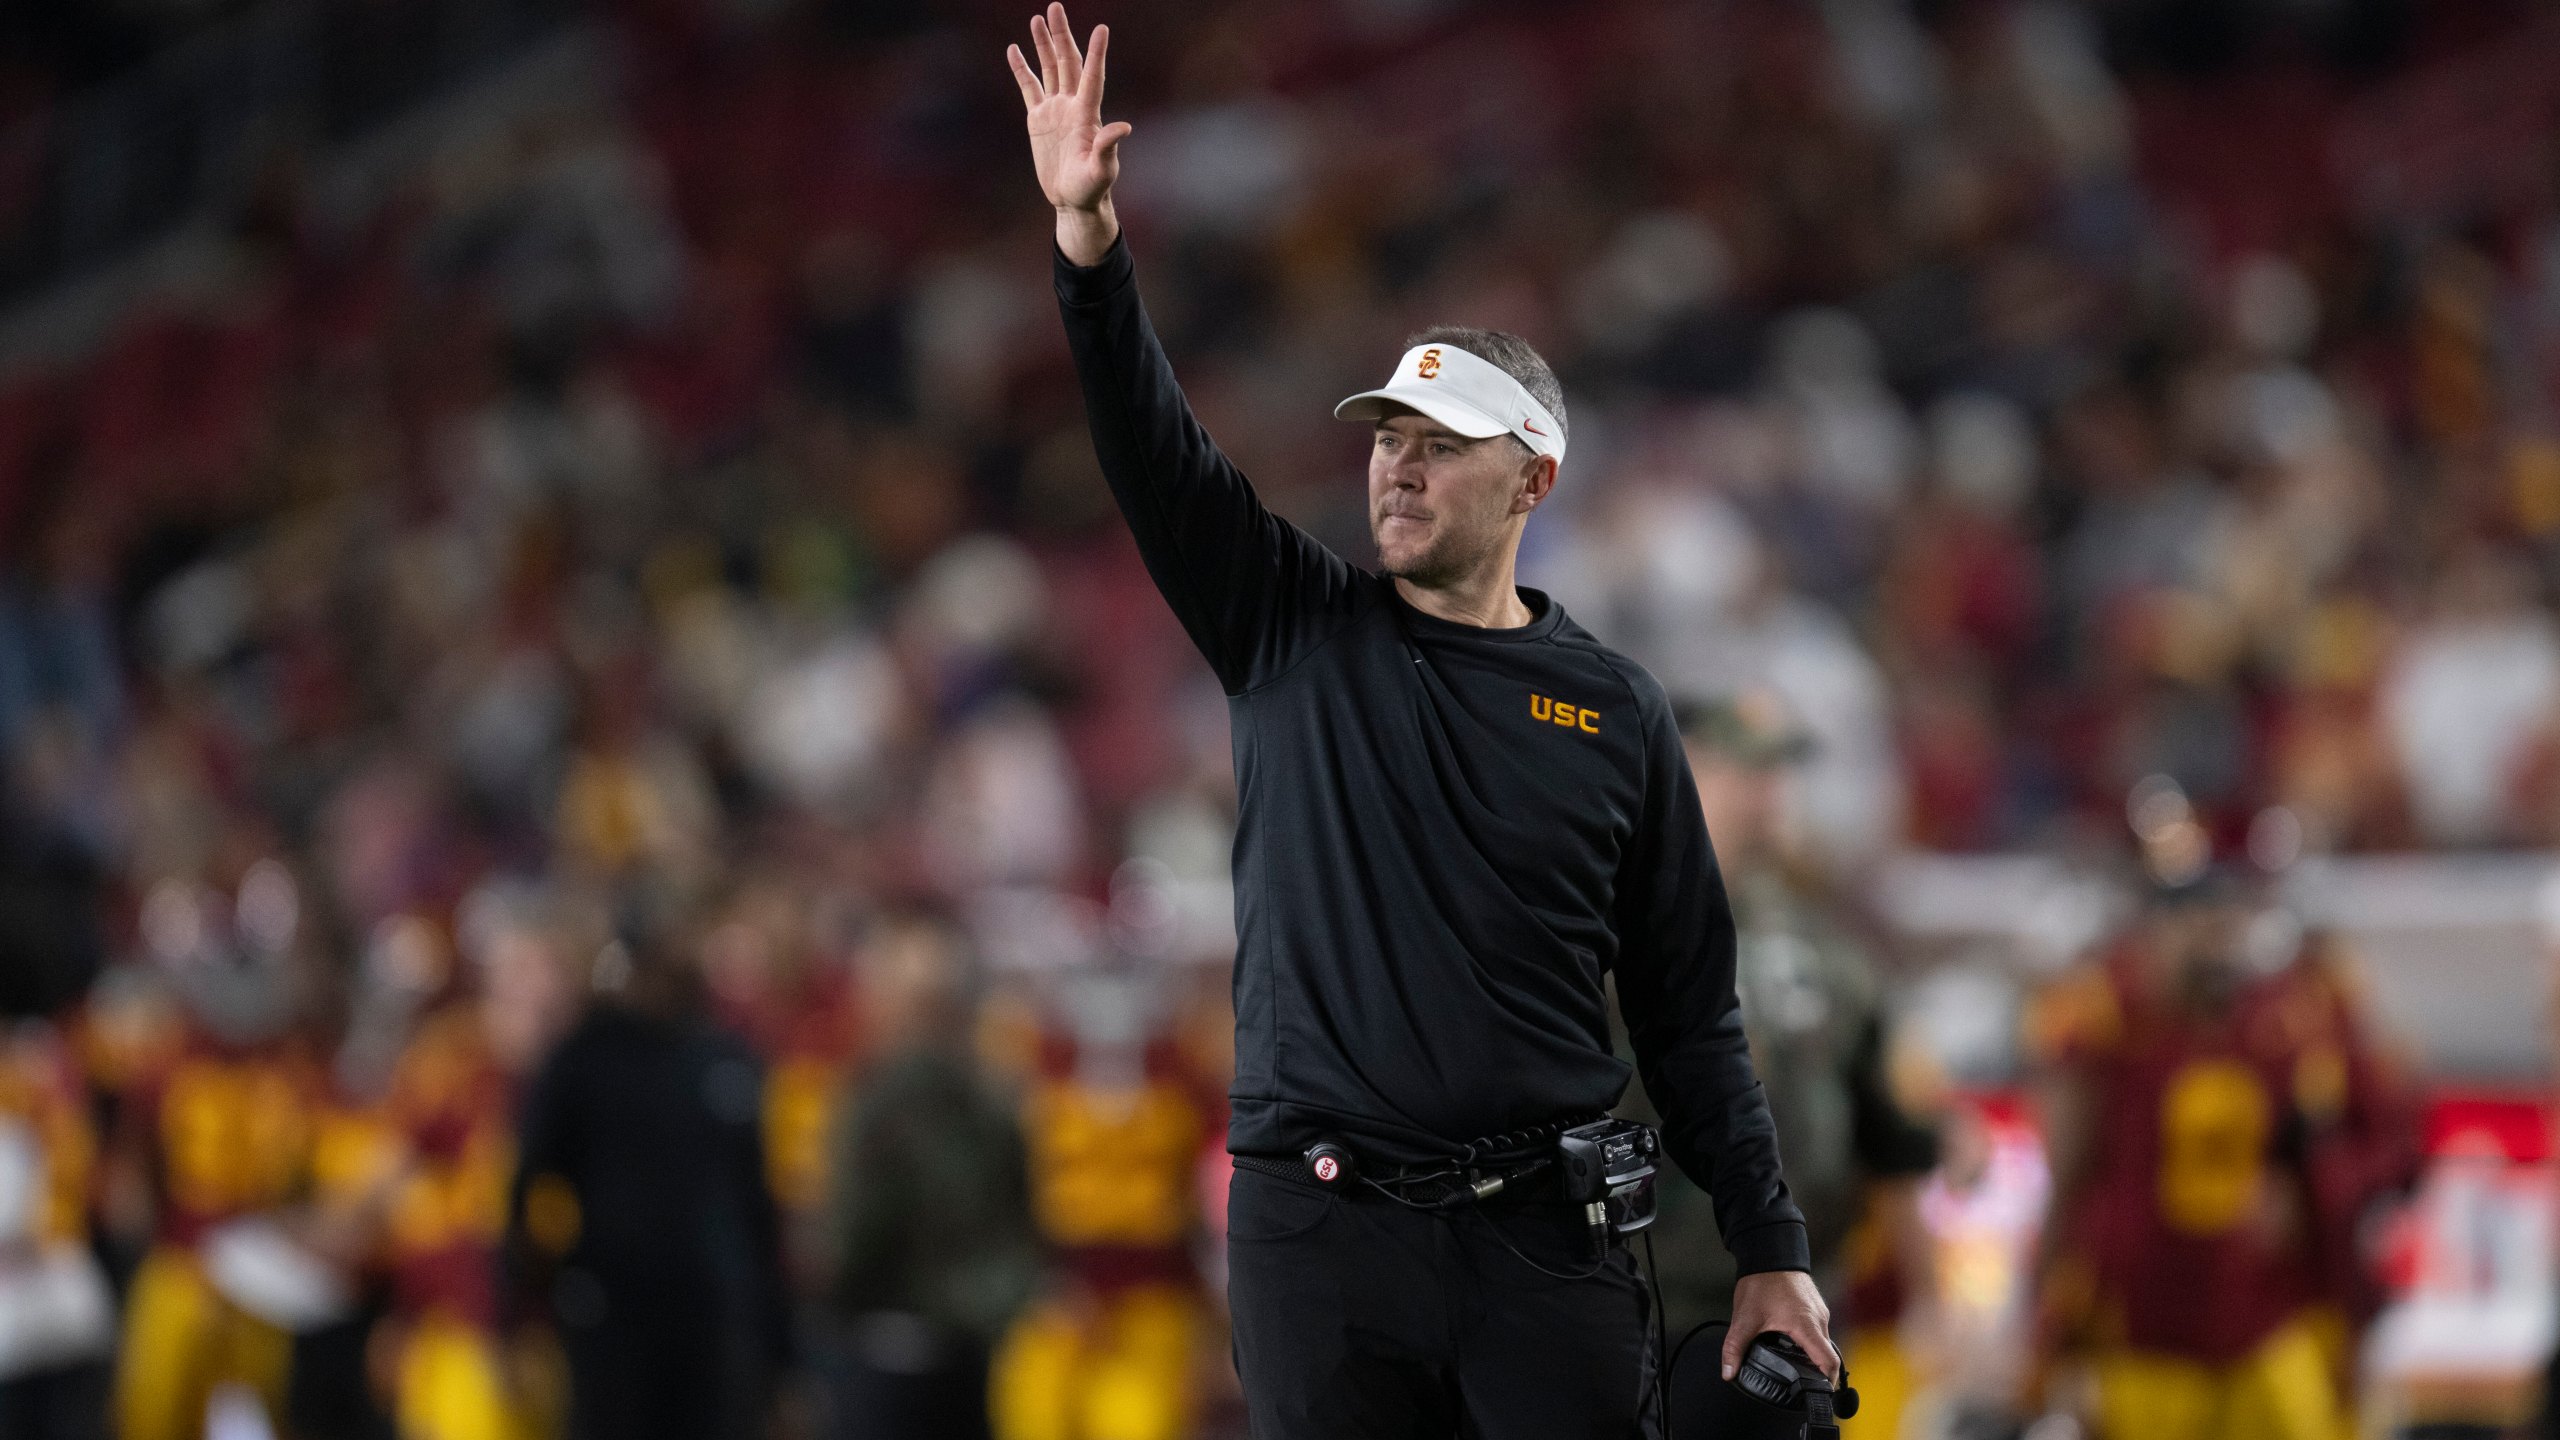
(1459,812)
(640,1224)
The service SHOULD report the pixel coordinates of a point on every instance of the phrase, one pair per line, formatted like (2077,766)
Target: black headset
(1777,1391)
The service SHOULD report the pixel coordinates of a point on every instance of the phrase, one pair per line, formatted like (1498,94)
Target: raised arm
(1254,591)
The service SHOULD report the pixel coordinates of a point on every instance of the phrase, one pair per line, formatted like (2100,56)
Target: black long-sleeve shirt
(1448,834)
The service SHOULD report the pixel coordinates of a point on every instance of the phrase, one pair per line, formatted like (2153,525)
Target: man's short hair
(1511,355)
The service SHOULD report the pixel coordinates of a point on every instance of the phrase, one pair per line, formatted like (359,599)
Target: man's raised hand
(1076,155)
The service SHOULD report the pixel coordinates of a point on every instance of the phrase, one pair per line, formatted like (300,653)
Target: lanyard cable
(1490,1224)
(1661,1337)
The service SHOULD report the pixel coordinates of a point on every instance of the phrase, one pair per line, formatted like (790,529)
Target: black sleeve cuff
(1778,1245)
(1092,284)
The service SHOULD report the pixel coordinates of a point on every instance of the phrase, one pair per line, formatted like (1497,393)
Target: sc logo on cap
(1428,367)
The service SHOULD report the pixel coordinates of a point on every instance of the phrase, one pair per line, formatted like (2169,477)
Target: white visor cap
(1466,392)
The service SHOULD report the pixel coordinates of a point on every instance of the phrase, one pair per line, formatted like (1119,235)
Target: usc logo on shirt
(1571,717)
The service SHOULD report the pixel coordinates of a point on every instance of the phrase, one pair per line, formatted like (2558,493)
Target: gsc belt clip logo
(1428,367)
(1571,717)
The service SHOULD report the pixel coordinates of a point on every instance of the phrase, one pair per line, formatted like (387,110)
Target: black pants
(933,1391)
(65,1404)
(328,1394)
(648,1366)
(1356,1317)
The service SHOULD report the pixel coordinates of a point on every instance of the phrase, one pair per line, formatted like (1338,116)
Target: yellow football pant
(452,1386)
(1885,1379)
(1124,1375)
(2336,1337)
(2285,1391)
(181,1342)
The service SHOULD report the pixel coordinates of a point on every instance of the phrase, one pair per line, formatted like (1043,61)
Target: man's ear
(1536,479)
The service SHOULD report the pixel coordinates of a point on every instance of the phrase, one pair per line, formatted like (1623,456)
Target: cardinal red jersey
(809,1046)
(1113,1167)
(1873,1289)
(450,1107)
(230,1131)
(2193,1218)
(41,1098)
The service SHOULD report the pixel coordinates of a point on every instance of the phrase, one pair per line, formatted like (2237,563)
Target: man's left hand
(1787,1302)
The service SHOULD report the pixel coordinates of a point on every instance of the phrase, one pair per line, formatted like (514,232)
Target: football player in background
(2183,1262)
(220,1132)
(124,1034)
(2362,1143)
(773,981)
(1115,1119)
(54,1306)
(439,1207)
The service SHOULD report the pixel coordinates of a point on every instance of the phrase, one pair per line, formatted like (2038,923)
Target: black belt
(1517,1165)
(1445,1187)
(1280,1167)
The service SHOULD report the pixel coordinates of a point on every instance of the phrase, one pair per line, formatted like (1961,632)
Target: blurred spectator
(931,1204)
(2477,683)
(51,888)
(62,707)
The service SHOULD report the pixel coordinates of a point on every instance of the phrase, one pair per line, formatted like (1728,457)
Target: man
(1812,1007)
(930,1220)
(638,1218)
(1458,813)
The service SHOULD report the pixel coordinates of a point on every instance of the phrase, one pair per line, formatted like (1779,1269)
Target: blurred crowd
(610,679)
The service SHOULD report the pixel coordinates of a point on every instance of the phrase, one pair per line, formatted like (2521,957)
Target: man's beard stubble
(1447,558)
